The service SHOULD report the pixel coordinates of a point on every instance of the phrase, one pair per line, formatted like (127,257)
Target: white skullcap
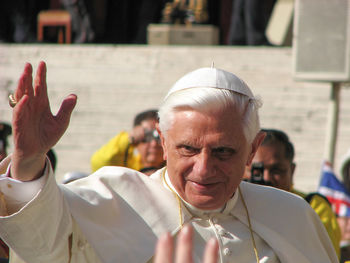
(211,78)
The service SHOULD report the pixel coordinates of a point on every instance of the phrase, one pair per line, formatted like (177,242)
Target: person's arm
(35,221)
(183,254)
(40,229)
(35,129)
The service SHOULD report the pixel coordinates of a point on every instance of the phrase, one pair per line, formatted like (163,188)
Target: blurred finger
(184,245)
(164,249)
(211,251)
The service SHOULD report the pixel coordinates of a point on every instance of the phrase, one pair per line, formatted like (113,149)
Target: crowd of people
(190,159)
(125,22)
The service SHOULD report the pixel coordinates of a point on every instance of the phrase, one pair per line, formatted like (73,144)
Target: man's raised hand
(35,128)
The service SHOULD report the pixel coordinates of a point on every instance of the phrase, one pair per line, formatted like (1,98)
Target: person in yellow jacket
(139,149)
(273,165)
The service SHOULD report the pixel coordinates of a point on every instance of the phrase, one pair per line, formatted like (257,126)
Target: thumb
(66,109)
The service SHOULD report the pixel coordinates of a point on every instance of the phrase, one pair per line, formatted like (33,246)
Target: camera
(151,135)
(257,174)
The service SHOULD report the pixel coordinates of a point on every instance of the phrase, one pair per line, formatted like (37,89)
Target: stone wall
(113,83)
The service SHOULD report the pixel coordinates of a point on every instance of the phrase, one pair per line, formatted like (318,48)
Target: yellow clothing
(327,216)
(114,154)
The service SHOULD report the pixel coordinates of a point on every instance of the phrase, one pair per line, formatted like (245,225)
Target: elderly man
(209,129)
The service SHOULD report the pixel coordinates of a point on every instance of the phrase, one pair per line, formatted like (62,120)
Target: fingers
(25,83)
(184,245)
(66,109)
(211,252)
(184,248)
(40,88)
(164,249)
(183,254)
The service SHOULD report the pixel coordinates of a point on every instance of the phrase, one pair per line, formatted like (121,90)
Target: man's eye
(187,150)
(223,153)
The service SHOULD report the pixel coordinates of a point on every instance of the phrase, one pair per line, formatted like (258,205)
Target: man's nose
(203,163)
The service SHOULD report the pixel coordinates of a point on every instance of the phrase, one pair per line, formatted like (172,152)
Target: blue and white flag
(335,191)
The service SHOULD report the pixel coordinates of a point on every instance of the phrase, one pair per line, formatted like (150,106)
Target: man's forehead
(195,125)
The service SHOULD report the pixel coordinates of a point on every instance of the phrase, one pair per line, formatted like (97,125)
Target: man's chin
(206,203)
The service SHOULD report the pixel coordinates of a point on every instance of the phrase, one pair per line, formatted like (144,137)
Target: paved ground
(115,82)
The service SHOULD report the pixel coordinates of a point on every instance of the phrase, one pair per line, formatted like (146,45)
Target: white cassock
(117,214)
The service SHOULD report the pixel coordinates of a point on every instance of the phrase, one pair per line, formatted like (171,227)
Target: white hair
(208,99)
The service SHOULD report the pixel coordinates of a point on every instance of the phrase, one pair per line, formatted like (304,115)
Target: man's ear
(162,140)
(259,138)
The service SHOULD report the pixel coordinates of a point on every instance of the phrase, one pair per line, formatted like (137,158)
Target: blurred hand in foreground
(184,247)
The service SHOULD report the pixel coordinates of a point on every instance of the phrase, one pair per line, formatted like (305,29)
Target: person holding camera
(273,165)
(139,149)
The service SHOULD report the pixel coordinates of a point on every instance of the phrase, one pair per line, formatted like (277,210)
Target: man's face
(151,152)
(278,170)
(206,156)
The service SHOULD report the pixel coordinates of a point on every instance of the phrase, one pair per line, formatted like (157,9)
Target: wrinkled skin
(206,155)
(35,128)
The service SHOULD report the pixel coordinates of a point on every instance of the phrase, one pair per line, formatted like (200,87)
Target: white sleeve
(40,224)
(17,193)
